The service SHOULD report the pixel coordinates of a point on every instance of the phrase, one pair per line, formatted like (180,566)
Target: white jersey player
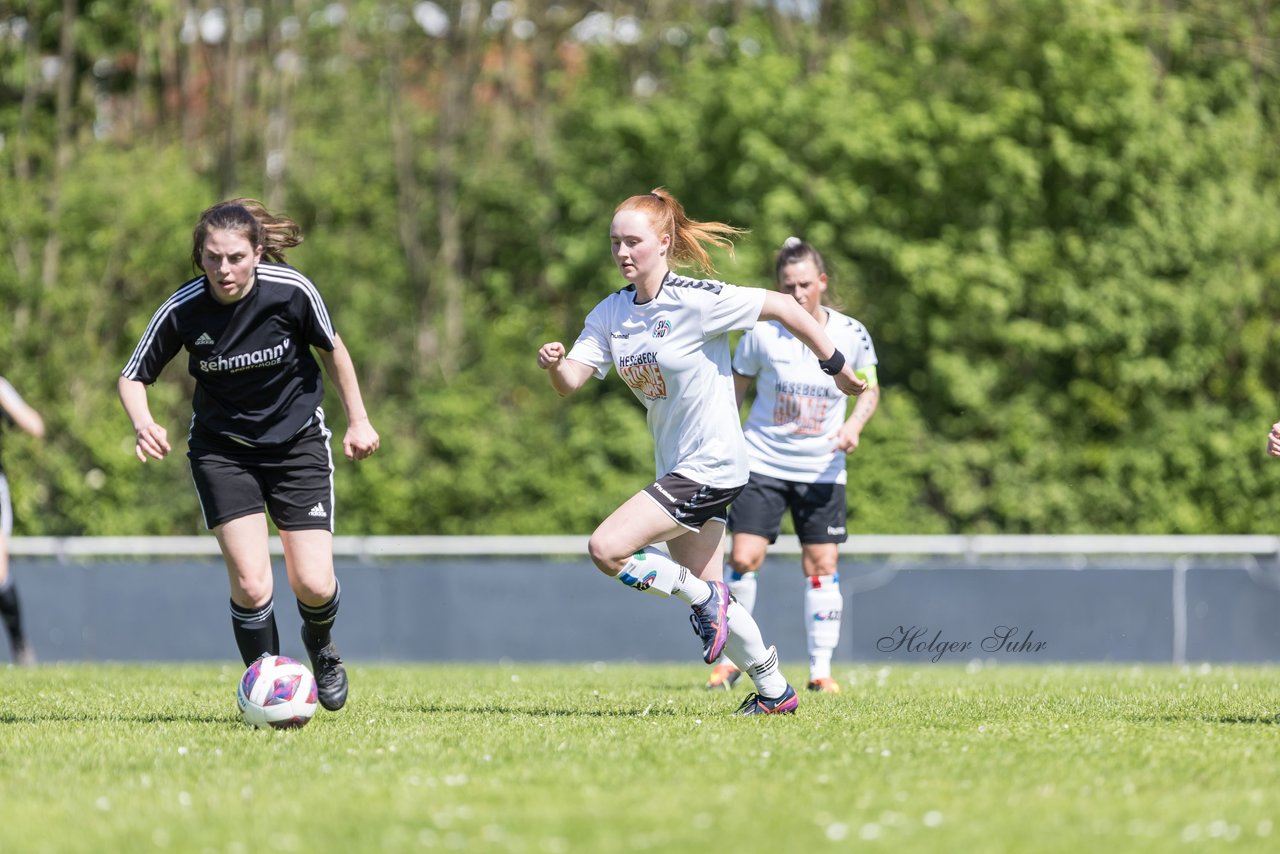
(667,336)
(797,436)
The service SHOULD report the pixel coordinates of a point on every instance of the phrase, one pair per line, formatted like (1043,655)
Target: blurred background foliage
(1058,218)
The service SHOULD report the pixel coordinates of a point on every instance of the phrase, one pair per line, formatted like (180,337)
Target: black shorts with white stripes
(294,480)
(690,503)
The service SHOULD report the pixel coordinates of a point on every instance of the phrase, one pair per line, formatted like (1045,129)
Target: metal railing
(1259,555)
(969,547)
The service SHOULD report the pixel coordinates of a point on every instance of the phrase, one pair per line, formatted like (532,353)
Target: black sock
(255,631)
(317,621)
(10,611)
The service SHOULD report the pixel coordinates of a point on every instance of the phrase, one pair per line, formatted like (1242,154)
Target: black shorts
(294,481)
(817,509)
(689,503)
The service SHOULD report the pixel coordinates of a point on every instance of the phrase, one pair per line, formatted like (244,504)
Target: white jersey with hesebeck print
(797,408)
(673,351)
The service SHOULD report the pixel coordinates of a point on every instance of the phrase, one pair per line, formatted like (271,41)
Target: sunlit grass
(535,758)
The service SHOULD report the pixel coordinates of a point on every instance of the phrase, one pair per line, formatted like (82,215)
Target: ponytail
(689,238)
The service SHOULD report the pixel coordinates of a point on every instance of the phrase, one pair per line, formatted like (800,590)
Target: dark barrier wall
(538,609)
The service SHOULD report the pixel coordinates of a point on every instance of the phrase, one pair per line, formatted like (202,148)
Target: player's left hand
(846,439)
(360,441)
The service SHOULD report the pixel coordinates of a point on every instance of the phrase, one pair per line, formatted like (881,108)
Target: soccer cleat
(724,676)
(710,621)
(23,654)
(331,676)
(758,705)
(824,685)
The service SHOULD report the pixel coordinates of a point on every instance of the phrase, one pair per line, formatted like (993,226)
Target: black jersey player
(258,437)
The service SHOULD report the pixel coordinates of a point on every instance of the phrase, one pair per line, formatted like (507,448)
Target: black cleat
(331,676)
(756,704)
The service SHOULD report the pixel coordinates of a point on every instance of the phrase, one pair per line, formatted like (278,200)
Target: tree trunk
(409,201)
(62,145)
(22,260)
(233,82)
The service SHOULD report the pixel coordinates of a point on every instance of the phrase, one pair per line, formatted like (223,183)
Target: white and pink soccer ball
(277,692)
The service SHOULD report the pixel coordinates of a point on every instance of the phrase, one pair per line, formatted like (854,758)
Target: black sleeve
(159,344)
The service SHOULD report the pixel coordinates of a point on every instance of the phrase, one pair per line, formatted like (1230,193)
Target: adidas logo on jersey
(204,340)
(318,511)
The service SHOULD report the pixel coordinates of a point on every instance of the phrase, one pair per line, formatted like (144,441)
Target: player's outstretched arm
(784,309)
(152,439)
(22,413)
(567,376)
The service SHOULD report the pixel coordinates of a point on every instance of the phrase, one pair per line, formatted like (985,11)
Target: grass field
(611,757)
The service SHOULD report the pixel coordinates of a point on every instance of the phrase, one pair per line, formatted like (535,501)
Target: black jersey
(256,380)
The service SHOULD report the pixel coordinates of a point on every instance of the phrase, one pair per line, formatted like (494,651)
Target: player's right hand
(1273,440)
(549,354)
(153,441)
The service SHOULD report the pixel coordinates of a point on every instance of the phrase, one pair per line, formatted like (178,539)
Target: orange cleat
(723,677)
(824,685)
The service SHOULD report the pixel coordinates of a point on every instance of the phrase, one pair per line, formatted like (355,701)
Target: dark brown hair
(793,251)
(274,233)
(796,251)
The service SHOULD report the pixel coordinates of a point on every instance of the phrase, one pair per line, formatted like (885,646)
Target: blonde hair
(689,238)
(273,232)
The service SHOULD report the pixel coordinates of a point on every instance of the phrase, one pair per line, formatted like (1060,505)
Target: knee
(256,591)
(604,556)
(315,592)
(822,566)
(743,561)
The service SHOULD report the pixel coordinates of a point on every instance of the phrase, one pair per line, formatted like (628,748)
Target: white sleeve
(731,308)
(863,352)
(592,347)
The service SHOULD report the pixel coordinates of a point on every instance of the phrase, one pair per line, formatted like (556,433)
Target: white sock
(652,571)
(769,680)
(823,604)
(746,644)
(743,587)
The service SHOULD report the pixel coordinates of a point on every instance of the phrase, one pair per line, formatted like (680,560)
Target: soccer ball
(277,692)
